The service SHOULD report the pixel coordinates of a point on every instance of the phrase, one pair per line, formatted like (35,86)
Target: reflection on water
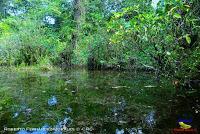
(150,119)
(86,102)
(52,101)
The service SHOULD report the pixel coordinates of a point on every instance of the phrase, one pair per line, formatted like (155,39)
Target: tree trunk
(79,18)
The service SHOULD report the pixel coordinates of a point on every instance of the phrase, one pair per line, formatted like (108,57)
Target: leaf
(172,10)
(188,39)
(176,15)
(168,53)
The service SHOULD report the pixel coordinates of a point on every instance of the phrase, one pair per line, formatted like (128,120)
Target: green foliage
(125,34)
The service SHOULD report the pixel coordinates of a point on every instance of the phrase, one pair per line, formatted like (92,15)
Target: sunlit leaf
(172,10)
(168,53)
(176,15)
(188,39)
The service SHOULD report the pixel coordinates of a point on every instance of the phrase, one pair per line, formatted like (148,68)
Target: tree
(79,17)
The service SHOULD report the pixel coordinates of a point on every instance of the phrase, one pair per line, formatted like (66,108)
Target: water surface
(81,101)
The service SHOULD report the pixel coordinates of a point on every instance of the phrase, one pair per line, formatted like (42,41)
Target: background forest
(102,34)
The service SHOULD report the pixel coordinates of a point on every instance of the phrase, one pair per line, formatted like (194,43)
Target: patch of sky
(155,3)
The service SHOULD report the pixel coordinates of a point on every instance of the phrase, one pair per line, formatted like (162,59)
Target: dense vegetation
(156,35)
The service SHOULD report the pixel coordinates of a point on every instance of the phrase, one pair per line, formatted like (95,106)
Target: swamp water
(81,101)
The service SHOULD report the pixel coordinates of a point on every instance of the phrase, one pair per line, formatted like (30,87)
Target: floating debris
(73,92)
(149,86)
(119,131)
(52,101)
(123,122)
(116,87)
